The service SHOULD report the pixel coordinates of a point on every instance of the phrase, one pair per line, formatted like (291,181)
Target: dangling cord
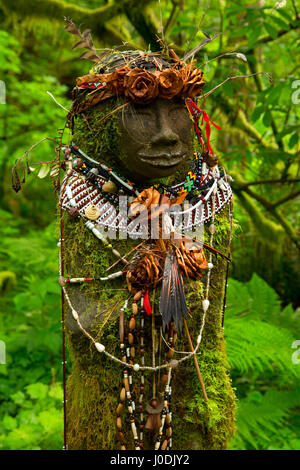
(61,273)
(230,210)
(123,391)
(166,418)
(142,382)
(153,345)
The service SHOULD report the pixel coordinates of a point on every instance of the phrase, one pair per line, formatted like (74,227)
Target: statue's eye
(176,111)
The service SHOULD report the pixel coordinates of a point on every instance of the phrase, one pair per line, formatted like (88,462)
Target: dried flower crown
(142,86)
(138,76)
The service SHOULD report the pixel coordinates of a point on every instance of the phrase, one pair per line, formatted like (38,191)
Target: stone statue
(148,143)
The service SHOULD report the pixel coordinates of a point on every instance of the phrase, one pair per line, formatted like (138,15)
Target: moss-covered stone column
(95,382)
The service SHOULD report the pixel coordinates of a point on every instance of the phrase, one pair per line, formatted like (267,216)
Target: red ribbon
(196,114)
(147,305)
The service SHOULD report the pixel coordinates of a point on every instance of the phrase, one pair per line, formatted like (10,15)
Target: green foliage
(38,422)
(259,338)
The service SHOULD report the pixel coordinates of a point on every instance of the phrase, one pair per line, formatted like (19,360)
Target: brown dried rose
(192,81)
(115,80)
(170,83)
(140,86)
(145,271)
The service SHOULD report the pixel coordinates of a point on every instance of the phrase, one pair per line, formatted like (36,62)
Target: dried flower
(192,81)
(140,86)
(170,83)
(115,80)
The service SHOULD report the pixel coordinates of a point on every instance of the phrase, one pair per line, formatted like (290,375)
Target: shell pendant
(92,212)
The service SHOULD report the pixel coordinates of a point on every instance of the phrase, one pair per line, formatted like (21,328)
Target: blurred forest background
(259,146)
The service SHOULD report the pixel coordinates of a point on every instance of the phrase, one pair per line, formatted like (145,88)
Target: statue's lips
(163,160)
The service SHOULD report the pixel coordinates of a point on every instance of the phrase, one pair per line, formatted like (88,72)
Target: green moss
(95,383)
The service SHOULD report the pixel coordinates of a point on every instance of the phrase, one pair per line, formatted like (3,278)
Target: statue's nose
(165,134)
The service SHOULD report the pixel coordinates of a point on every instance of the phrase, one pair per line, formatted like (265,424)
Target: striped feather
(172,303)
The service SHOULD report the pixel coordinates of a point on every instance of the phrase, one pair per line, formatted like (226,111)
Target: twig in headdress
(50,94)
(234,78)
(196,49)
(198,29)
(239,55)
(161,23)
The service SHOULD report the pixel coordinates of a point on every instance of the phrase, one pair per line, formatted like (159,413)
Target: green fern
(261,418)
(259,337)
(254,345)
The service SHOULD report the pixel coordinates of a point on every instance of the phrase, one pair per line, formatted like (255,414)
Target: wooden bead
(119,423)
(164,444)
(169,432)
(116,253)
(138,295)
(121,436)
(164,379)
(168,419)
(134,308)
(132,323)
(119,408)
(170,353)
(132,351)
(123,394)
(123,447)
(109,187)
(130,338)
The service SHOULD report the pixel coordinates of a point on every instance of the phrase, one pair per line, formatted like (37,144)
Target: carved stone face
(157,139)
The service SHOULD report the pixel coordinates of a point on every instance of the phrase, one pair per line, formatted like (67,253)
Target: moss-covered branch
(263,225)
(96,19)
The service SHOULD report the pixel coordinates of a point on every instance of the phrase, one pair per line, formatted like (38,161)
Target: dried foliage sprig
(85,42)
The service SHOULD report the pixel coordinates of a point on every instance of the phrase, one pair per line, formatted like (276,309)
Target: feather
(172,304)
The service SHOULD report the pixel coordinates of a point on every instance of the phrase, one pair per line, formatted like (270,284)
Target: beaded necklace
(215,181)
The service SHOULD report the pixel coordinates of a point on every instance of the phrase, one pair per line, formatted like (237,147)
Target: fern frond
(256,345)
(259,418)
